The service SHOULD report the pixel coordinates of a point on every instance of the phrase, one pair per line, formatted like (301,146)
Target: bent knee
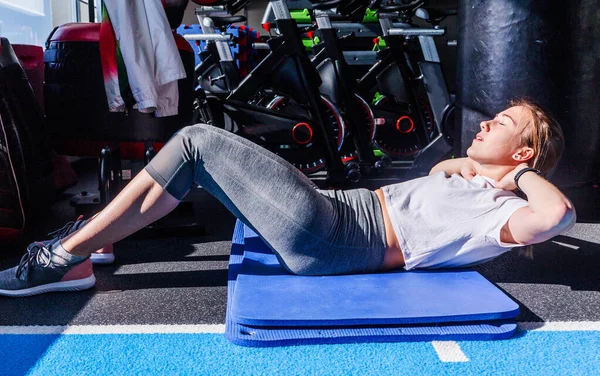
(192,131)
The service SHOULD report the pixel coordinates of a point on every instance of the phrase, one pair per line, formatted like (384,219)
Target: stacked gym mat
(266,306)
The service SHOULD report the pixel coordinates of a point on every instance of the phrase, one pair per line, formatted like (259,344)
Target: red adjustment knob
(299,133)
(376,41)
(311,34)
(267,26)
(405,124)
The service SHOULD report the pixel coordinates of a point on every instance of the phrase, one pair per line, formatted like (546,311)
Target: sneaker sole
(75,285)
(102,258)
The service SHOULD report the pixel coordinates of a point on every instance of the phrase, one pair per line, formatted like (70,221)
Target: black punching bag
(506,49)
(580,115)
(546,51)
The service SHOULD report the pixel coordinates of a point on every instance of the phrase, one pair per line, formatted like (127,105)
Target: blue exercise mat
(266,306)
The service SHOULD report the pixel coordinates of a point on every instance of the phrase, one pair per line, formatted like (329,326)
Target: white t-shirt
(446,221)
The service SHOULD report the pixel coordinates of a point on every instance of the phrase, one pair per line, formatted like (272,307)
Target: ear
(523,155)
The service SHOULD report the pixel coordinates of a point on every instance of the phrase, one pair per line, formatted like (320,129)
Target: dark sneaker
(37,273)
(102,256)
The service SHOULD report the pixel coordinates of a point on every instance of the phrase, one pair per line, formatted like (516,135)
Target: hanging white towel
(149,52)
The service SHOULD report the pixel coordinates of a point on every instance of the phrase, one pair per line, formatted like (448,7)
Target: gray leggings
(312,231)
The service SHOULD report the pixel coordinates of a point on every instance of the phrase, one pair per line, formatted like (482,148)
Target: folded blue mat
(266,306)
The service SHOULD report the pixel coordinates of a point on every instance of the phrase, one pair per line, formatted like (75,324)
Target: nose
(484,126)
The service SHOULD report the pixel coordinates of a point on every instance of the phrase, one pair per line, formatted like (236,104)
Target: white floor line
(449,351)
(114,329)
(566,245)
(556,326)
(561,326)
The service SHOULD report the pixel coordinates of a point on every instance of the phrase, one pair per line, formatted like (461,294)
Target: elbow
(569,218)
(563,217)
(555,221)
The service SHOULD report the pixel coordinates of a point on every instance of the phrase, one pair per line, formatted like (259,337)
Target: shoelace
(63,231)
(37,254)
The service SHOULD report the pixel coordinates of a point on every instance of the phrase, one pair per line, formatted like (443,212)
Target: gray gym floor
(170,278)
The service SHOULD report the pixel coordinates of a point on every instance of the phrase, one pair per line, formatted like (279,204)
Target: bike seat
(210,3)
(346,9)
(221,21)
(353,9)
(232,6)
(402,7)
(325,4)
(437,15)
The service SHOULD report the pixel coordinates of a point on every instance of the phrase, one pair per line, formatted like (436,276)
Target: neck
(496,172)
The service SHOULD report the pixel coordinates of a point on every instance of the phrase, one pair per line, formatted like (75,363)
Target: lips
(478,138)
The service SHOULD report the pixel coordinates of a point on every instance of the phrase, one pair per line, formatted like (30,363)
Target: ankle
(61,256)
(70,246)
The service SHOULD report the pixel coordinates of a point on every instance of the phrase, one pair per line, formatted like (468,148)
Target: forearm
(546,200)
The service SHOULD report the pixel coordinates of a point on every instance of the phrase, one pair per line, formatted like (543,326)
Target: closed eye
(499,121)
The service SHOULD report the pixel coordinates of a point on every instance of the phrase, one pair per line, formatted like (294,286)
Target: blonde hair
(545,136)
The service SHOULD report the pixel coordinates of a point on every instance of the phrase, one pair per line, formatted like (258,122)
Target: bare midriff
(393,254)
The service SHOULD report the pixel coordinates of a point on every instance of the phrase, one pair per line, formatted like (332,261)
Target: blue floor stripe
(530,353)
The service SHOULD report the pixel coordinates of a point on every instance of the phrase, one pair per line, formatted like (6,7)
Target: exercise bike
(307,129)
(413,100)
(340,87)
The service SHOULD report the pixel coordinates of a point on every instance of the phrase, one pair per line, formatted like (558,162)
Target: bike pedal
(354,176)
(382,164)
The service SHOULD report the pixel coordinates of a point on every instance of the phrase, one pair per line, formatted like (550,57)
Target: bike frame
(288,70)
(341,88)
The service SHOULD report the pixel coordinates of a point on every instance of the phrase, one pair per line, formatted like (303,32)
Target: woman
(463,213)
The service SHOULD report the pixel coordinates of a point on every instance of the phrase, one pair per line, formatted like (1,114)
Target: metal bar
(280,9)
(206,23)
(360,57)
(268,16)
(224,51)
(219,9)
(91,11)
(214,37)
(386,23)
(368,30)
(322,18)
(417,32)
(429,49)
(77,11)
(99,11)
(260,46)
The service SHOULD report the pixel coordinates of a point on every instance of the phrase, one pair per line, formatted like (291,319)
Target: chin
(473,155)
(469,152)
